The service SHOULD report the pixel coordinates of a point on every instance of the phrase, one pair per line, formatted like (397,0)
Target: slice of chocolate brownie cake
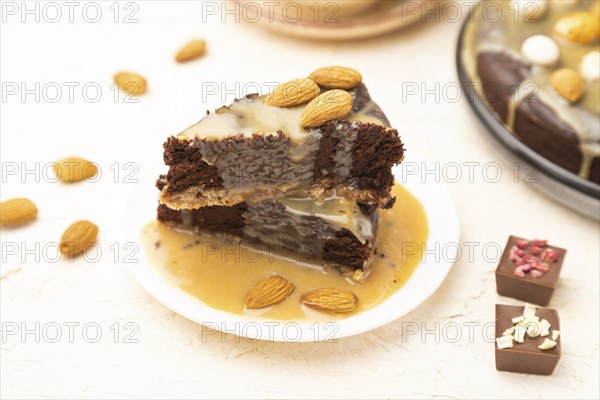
(303,170)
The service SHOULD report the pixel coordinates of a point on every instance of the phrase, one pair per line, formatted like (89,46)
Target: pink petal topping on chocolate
(549,254)
(544,267)
(524,253)
(529,259)
(512,254)
(519,261)
(536,273)
(535,249)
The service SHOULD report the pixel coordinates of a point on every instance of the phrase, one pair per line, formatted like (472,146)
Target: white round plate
(427,277)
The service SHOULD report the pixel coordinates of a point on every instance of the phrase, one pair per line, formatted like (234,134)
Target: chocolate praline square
(526,357)
(537,290)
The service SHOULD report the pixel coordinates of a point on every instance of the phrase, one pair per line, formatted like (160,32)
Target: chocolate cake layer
(534,122)
(271,225)
(349,157)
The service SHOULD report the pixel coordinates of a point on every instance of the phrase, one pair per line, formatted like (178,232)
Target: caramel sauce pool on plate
(220,273)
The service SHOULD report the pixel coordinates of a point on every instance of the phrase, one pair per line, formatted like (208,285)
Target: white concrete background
(174,357)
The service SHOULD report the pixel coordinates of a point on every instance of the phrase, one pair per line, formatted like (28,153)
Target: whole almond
(131,82)
(191,51)
(336,77)
(581,27)
(78,237)
(326,107)
(74,169)
(595,8)
(293,93)
(331,300)
(269,292)
(568,83)
(17,211)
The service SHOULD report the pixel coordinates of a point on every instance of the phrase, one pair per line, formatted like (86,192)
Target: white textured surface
(176,358)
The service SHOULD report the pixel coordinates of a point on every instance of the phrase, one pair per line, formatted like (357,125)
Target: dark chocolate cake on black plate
(537,65)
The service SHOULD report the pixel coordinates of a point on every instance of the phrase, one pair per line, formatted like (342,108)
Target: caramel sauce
(220,273)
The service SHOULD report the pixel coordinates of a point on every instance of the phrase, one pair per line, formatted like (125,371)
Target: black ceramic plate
(564,186)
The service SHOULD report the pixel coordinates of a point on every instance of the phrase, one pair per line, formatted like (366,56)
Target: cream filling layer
(335,210)
(247,117)
(250,116)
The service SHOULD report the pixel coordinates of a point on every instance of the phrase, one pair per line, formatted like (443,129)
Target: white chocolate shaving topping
(504,342)
(547,344)
(529,324)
